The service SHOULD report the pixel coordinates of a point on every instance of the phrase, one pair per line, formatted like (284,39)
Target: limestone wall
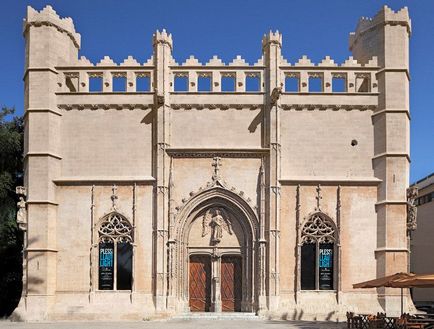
(324,146)
(112,143)
(272,155)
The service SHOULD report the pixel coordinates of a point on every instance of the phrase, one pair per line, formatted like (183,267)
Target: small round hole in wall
(354,142)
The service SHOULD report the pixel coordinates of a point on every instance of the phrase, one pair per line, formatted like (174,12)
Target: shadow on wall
(33,282)
(11,269)
(256,121)
(11,277)
(148,118)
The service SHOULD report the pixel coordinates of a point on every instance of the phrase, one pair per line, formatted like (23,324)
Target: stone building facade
(422,244)
(164,188)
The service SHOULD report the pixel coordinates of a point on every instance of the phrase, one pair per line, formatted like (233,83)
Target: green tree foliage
(11,241)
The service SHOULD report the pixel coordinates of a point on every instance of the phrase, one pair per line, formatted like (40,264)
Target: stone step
(217,316)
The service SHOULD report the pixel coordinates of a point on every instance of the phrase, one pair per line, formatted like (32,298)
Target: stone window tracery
(318,241)
(115,239)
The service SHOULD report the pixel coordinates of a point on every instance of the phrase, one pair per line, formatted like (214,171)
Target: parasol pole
(402,301)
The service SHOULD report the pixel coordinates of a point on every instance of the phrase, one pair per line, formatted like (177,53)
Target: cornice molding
(58,28)
(212,152)
(39,69)
(216,106)
(391,202)
(94,107)
(333,181)
(41,250)
(101,180)
(392,155)
(40,110)
(392,111)
(42,202)
(323,107)
(42,154)
(390,249)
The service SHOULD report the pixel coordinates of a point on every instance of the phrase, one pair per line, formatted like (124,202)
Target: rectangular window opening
(308,269)
(124,266)
(253,83)
(339,85)
(71,83)
(363,84)
(181,84)
(315,84)
(292,84)
(119,83)
(204,83)
(228,83)
(325,266)
(143,83)
(106,266)
(95,84)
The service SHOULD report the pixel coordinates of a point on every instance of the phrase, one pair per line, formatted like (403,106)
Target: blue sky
(228,28)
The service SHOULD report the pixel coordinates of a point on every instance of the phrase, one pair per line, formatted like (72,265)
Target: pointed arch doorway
(217,253)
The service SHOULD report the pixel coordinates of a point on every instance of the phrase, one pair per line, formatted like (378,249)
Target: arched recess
(114,229)
(241,211)
(319,228)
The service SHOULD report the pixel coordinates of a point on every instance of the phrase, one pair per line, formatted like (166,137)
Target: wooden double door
(200,285)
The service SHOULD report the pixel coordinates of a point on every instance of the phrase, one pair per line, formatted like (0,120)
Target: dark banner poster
(106,266)
(326,266)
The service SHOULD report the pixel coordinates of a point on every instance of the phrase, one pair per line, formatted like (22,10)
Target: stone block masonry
(214,187)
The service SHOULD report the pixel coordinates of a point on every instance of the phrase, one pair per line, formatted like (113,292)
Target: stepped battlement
(386,16)
(48,17)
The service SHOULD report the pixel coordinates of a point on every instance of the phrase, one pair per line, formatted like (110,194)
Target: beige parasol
(400,280)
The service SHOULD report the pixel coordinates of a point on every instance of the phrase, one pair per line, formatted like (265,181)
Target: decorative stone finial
(318,198)
(216,164)
(272,38)
(162,37)
(114,197)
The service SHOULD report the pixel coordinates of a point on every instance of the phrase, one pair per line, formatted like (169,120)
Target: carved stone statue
(216,220)
(412,193)
(22,211)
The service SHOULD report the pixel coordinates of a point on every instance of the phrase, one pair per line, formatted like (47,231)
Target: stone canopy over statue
(215,221)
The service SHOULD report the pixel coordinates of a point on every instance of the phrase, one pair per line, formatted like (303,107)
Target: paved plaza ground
(178,324)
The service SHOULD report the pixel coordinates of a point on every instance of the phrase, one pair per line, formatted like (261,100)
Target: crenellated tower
(50,41)
(387,37)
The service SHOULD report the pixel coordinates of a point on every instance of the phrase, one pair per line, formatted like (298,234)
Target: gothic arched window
(115,253)
(318,238)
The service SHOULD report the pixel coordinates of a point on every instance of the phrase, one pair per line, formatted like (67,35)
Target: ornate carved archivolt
(115,228)
(318,228)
